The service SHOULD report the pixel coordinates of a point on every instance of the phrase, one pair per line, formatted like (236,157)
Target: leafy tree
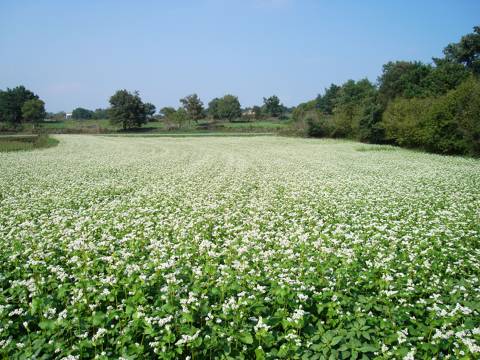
(82,114)
(272,106)
(150,110)
(33,111)
(127,109)
(213,108)
(353,97)
(466,51)
(445,76)
(194,107)
(11,102)
(167,111)
(229,107)
(326,102)
(100,114)
(179,117)
(402,78)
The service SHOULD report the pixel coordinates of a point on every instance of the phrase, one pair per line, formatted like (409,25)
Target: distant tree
(56,116)
(257,112)
(179,117)
(167,111)
(99,114)
(272,106)
(193,106)
(326,102)
(150,110)
(445,76)
(82,114)
(11,102)
(229,107)
(127,109)
(350,107)
(33,111)
(466,51)
(403,78)
(213,108)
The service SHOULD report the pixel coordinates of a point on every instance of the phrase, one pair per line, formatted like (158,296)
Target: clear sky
(77,53)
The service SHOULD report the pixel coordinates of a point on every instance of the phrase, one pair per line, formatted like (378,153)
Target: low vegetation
(431,107)
(253,247)
(29,142)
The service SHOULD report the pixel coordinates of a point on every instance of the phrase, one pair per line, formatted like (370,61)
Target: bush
(448,124)
(319,127)
(402,121)
(452,125)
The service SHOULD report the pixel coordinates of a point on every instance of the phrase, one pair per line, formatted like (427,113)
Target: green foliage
(127,109)
(272,106)
(11,102)
(352,100)
(149,110)
(402,79)
(227,107)
(175,118)
(449,124)
(99,114)
(402,121)
(167,111)
(245,248)
(452,125)
(257,112)
(33,111)
(193,106)
(82,114)
(466,51)
(326,102)
(23,143)
(319,126)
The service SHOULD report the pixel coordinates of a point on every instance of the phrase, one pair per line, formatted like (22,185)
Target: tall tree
(33,111)
(194,107)
(11,102)
(403,78)
(213,108)
(466,51)
(229,107)
(326,102)
(272,106)
(127,109)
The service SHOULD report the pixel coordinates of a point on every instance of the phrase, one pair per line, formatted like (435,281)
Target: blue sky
(77,53)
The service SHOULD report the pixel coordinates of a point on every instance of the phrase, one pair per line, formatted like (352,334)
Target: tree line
(431,106)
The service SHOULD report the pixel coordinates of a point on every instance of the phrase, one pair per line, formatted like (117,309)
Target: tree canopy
(272,106)
(33,111)
(193,106)
(80,113)
(227,107)
(11,102)
(127,109)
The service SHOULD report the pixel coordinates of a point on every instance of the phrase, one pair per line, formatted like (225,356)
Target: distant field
(104,126)
(262,247)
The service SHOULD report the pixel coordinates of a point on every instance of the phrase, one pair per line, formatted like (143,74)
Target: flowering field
(238,248)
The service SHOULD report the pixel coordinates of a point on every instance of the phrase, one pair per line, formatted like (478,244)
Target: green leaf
(259,354)
(246,338)
(336,340)
(368,348)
